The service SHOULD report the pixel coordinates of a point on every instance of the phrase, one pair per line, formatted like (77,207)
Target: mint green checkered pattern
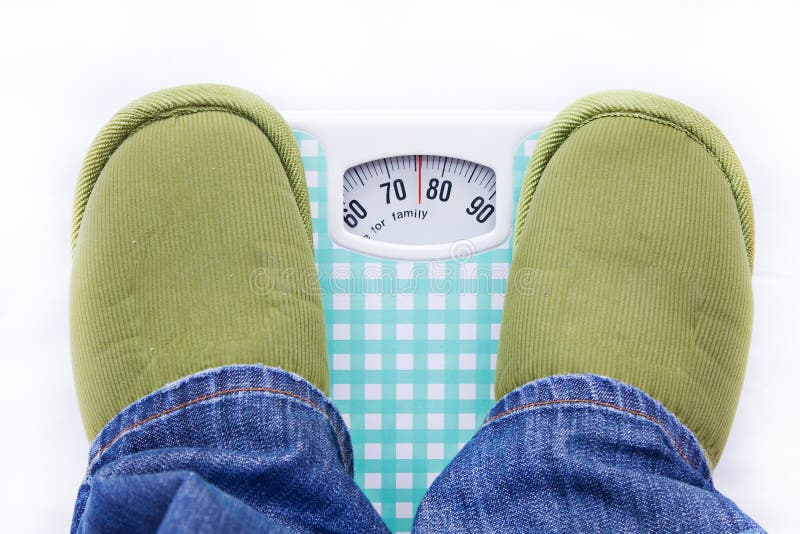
(412,349)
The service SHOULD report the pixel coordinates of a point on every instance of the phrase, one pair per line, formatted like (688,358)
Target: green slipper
(192,249)
(633,257)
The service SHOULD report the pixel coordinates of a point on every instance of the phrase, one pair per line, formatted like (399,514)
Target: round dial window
(419,200)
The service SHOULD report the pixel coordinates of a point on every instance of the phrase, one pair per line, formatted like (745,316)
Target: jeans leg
(579,453)
(234,449)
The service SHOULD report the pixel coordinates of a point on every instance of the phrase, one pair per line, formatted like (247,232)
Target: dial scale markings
(419,199)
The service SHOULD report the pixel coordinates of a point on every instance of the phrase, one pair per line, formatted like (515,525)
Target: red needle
(419,179)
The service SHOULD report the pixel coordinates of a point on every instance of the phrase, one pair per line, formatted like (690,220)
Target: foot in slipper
(191,249)
(632,259)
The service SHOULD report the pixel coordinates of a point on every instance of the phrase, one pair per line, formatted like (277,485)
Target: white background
(66,68)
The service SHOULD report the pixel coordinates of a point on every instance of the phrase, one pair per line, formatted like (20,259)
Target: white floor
(66,69)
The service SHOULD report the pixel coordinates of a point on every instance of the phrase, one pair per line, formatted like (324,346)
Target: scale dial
(419,200)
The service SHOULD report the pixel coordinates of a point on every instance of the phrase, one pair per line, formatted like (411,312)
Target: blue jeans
(252,448)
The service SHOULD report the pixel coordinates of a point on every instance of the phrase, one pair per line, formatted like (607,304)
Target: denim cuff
(151,422)
(602,393)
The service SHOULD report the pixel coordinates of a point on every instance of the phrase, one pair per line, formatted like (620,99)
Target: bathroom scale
(412,217)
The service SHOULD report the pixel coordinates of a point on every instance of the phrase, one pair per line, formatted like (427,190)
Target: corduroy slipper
(632,259)
(192,249)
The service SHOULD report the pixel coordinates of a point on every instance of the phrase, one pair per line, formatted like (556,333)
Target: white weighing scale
(412,216)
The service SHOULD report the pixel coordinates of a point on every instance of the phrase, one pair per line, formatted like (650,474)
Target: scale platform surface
(412,316)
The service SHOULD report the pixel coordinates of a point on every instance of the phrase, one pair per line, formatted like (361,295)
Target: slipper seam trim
(741,194)
(647,117)
(221,98)
(179,111)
